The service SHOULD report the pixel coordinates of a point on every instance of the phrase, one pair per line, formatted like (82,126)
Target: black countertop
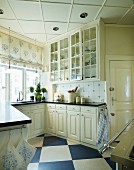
(10,116)
(94,104)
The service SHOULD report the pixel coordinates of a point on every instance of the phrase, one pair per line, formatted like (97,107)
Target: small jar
(78,99)
(82,100)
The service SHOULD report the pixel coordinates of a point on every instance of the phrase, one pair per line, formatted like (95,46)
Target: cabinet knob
(112,114)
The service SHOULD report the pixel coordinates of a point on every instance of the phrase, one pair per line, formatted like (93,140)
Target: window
(31,80)
(18,81)
(2,84)
(16,85)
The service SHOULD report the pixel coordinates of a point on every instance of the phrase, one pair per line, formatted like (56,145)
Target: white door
(61,123)
(121,94)
(2,84)
(74,125)
(88,128)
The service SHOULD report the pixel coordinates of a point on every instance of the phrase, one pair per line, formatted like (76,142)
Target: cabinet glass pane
(93,58)
(73,39)
(77,50)
(78,76)
(73,51)
(77,62)
(73,62)
(77,37)
(73,76)
(66,43)
(93,71)
(87,72)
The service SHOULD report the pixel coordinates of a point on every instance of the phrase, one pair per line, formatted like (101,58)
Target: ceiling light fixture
(55,28)
(1,11)
(9,70)
(83,15)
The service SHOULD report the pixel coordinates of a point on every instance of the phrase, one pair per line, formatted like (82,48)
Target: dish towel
(103,127)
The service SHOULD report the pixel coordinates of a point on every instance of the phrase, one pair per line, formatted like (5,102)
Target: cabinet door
(54,62)
(38,121)
(61,127)
(76,56)
(89,53)
(64,60)
(88,128)
(51,121)
(74,125)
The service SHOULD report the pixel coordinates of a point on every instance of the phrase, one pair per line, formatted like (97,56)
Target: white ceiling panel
(61,1)
(93,2)
(73,26)
(78,9)
(50,37)
(49,27)
(111,14)
(129,18)
(38,37)
(26,10)
(32,26)
(13,24)
(56,12)
(8,13)
(120,3)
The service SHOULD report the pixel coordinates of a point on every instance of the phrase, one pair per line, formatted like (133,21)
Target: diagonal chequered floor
(54,153)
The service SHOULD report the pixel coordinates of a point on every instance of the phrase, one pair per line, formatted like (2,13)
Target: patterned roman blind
(22,53)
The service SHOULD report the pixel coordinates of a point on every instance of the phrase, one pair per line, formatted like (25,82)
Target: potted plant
(38,94)
(43,91)
(31,91)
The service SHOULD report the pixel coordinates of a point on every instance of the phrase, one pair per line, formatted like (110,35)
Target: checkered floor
(54,153)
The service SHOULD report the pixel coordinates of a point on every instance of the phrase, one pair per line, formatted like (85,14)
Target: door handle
(113,101)
(112,114)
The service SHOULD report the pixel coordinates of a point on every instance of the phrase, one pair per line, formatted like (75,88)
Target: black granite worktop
(10,116)
(94,104)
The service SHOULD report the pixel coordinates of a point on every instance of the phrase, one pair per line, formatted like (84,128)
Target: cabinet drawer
(60,107)
(73,108)
(89,109)
(37,106)
(51,106)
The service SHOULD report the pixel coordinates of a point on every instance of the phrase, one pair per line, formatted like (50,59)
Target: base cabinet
(89,125)
(36,113)
(56,119)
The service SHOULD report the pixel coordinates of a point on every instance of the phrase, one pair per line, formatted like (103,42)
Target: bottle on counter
(83,100)
(78,99)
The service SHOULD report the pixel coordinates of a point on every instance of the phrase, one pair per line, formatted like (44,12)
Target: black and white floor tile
(54,153)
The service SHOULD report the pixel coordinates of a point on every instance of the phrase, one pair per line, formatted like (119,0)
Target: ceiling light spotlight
(1,11)
(55,28)
(83,15)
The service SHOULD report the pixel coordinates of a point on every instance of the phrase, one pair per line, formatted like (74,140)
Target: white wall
(119,40)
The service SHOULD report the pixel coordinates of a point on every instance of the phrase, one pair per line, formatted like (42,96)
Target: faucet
(20,98)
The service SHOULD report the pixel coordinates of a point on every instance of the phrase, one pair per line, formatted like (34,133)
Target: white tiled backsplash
(92,91)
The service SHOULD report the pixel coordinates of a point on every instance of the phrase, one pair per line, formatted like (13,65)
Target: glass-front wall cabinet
(54,62)
(64,60)
(76,57)
(89,53)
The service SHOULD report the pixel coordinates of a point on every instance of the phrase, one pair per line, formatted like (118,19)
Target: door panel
(121,97)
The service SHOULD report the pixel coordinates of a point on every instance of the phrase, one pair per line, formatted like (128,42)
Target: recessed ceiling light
(1,11)
(83,15)
(55,28)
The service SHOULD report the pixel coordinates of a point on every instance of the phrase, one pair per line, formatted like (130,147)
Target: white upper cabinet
(75,56)
(80,55)
(93,50)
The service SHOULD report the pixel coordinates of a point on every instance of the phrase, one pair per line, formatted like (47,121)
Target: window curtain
(22,53)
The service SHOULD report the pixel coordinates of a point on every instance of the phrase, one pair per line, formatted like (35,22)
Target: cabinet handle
(88,110)
(77,114)
(112,114)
